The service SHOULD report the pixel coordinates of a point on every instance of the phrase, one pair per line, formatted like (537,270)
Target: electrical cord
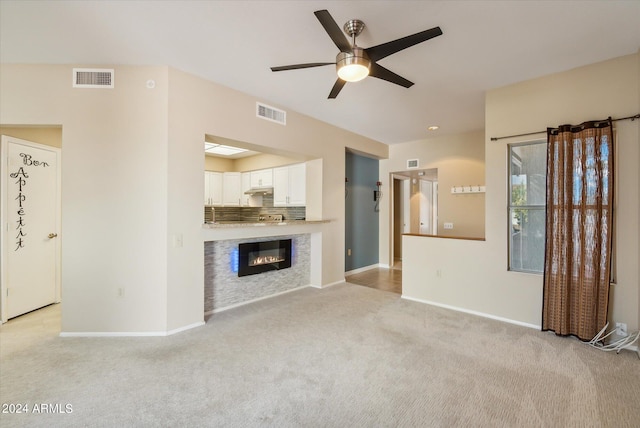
(618,345)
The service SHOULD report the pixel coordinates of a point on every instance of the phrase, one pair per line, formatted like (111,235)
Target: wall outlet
(448,225)
(349,252)
(621,329)
(121,292)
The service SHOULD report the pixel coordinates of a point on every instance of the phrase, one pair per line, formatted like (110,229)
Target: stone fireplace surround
(223,288)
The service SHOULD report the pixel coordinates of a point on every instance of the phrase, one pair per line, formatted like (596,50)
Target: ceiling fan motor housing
(358,57)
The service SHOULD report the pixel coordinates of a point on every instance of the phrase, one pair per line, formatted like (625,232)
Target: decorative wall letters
(22,177)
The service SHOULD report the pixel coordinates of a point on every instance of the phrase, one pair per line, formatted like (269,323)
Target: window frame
(511,207)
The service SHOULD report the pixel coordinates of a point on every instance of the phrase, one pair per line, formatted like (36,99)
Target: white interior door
(426,207)
(434,208)
(30,226)
(406,206)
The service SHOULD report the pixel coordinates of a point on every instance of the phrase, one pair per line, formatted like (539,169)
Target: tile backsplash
(252,213)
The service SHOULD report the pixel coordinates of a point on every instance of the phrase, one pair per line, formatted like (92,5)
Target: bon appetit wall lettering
(22,177)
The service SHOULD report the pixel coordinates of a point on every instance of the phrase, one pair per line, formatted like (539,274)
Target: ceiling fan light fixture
(353,66)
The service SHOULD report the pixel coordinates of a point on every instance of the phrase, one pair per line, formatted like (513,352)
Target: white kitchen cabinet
(246,185)
(231,189)
(280,186)
(298,185)
(262,178)
(212,188)
(289,186)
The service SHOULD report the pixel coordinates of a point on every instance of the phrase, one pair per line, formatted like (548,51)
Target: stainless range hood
(259,191)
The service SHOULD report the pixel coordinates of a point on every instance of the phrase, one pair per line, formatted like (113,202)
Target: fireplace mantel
(241,230)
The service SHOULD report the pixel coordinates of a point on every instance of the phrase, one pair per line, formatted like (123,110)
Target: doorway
(30,215)
(414,208)
(402,216)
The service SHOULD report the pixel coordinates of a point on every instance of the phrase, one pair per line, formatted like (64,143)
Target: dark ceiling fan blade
(333,30)
(380,72)
(381,51)
(337,87)
(298,66)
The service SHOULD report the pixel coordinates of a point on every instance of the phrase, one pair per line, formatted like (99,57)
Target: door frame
(393,214)
(4,183)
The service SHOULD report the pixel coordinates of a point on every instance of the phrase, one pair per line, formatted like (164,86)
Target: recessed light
(433,127)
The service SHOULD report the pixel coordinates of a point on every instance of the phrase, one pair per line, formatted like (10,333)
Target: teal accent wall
(361,216)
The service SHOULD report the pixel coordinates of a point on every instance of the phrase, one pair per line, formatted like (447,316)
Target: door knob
(52,235)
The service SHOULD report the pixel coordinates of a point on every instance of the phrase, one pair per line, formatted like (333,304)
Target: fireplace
(259,257)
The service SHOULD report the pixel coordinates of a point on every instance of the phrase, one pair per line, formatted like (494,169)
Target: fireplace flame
(264,260)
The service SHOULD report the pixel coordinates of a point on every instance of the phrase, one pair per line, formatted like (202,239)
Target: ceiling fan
(354,63)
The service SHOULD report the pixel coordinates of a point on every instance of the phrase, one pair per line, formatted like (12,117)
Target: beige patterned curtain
(578,229)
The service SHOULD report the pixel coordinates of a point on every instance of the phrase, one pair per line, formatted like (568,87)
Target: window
(527,199)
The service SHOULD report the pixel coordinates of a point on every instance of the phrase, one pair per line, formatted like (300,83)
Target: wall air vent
(271,113)
(412,163)
(93,78)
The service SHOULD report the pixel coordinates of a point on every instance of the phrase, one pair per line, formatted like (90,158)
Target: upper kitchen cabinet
(289,185)
(212,188)
(232,189)
(246,185)
(262,178)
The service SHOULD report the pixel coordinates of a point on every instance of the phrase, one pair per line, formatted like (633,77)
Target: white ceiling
(486,44)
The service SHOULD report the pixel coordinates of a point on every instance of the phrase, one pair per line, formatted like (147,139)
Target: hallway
(379,278)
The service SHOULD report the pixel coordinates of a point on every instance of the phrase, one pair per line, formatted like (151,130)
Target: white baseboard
(362,269)
(226,308)
(332,284)
(112,333)
(129,333)
(384,266)
(467,311)
(185,328)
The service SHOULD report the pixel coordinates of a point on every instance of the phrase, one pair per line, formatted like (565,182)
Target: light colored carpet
(345,356)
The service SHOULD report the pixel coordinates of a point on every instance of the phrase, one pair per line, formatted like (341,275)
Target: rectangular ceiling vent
(271,113)
(412,163)
(93,78)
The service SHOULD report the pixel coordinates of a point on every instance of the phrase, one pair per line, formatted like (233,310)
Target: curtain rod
(637,116)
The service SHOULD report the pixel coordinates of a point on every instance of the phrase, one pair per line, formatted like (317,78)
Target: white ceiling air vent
(412,163)
(93,77)
(271,113)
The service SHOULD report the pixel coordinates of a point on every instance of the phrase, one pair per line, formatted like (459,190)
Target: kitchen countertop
(238,224)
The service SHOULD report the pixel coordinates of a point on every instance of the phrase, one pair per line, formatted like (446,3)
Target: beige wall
(212,163)
(198,107)
(114,162)
(264,160)
(249,163)
(473,276)
(47,135)
(132,186)
(460,161)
